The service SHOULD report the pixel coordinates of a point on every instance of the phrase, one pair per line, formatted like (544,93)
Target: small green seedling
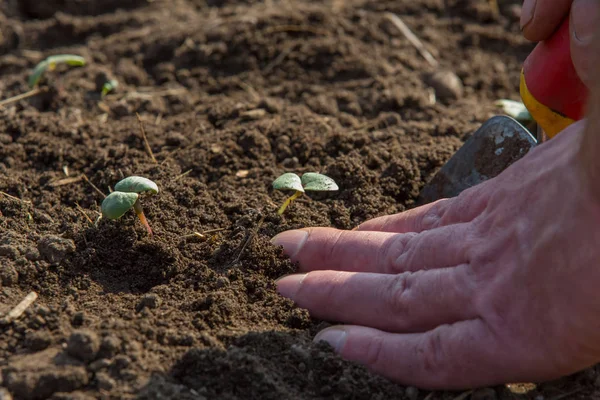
(50,63)
(310,182)
(127,196)
(109,87)
(515,109)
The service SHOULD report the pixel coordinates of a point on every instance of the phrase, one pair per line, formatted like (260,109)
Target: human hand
(540,18)
(496,285)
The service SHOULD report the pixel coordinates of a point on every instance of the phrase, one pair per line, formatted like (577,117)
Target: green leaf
(136,184)
(109,87)
(515,109)
(288,181)
(318,183)
(118,203)
(50,62)
(69,59)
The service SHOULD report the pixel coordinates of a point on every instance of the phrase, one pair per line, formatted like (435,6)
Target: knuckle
(397,294)
(373,351)
(432,218)
(432,353)
(403,250)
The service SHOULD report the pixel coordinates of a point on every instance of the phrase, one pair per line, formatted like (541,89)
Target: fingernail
(527,12)
(584,17)
(335,336)
(292,241)
(288,285)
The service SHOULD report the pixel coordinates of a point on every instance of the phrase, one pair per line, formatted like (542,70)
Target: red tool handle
(551,77)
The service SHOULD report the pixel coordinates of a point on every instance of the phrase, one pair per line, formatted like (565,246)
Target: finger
(457,356)
(585,15)
(377,252)
(463,208)
(408,302)
(540,18)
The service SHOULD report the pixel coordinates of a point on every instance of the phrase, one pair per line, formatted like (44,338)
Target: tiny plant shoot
(310,182)
(126,196)
(109,87)
(515,109)
(50,63)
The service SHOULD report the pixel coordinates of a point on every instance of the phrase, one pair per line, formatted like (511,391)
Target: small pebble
(447,85)
(149,300)
(104,381)
(55,248)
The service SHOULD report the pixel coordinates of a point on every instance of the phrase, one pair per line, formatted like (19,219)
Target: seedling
(127,196)
(310,182)
(515,109)
(50,63)
(109,87)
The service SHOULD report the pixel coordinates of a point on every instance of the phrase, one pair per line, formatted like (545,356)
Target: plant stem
(137,207)
(288,201)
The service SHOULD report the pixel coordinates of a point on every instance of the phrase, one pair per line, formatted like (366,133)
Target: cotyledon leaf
(314,182)
(136,184)
(288,181)
(118,203)
(50,62)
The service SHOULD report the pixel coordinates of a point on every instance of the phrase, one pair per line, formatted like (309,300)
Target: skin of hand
(540,18)
(496,285)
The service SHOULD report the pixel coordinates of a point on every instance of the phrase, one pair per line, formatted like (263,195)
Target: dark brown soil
(232,93)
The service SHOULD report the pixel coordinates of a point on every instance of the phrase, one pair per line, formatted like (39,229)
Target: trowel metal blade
(498,143)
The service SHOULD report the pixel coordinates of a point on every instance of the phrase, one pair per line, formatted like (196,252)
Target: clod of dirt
(40,375)
(9,275)
(55,248)
(9,251)
(149,300)
(37,341)
(83,345)
(109,347)
(447,85)
(104,381)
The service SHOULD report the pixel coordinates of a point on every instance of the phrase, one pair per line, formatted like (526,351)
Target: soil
(231,94)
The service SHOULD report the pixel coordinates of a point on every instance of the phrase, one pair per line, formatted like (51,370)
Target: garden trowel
(554,95)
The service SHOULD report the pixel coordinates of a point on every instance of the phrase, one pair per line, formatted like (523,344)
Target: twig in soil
(202,235)
(85,178)
(84,213)
(66,181)
(22,96)
(20,308)
(412,38)
(178,177)
(146,144)
(295,28)
(15,198)
(279,59)
(248,240)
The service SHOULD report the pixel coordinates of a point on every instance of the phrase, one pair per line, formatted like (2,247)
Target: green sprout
(50,63)
(515,109)
(310,182)
(127,196)
(109,87)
